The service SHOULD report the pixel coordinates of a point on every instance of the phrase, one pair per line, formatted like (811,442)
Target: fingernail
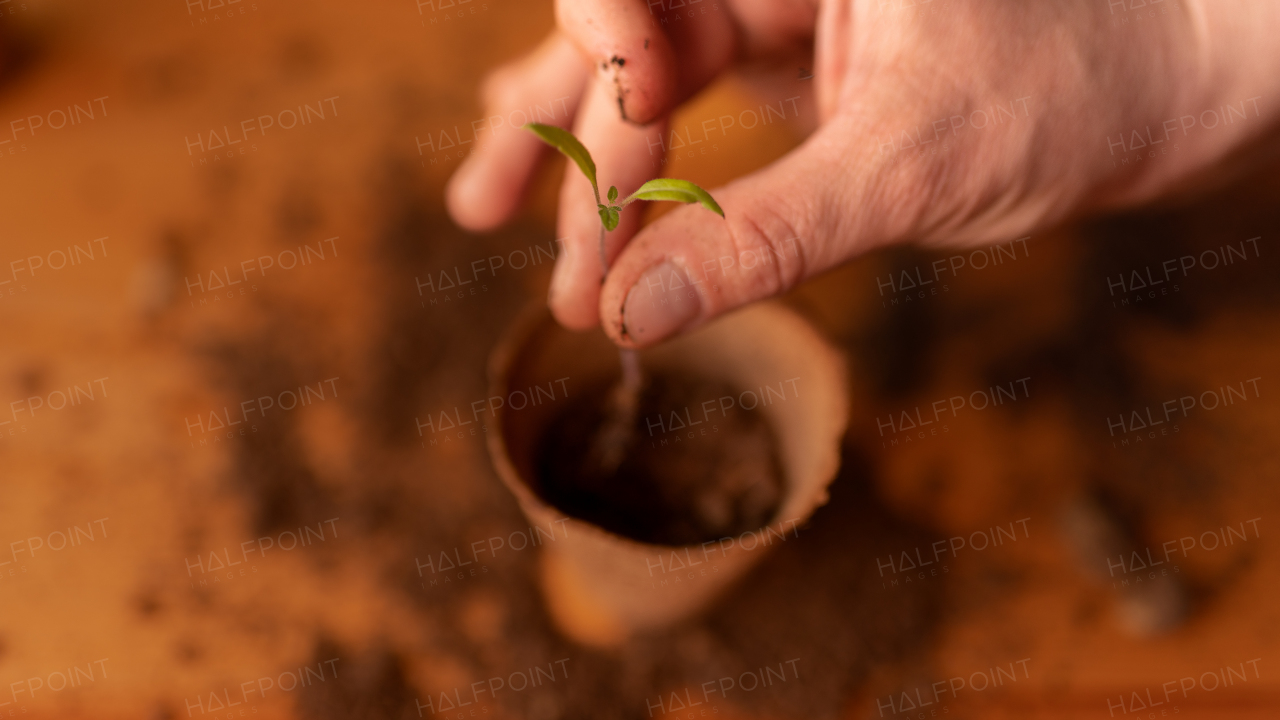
(660,303)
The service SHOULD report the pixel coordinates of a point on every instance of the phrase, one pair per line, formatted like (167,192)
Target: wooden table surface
(153,284)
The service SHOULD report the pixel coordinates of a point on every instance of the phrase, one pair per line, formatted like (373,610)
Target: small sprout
(657,189)
(609,216)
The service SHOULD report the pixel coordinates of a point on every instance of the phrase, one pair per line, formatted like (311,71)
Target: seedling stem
(616,435)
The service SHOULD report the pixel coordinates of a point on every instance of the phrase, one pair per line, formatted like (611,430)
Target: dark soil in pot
(691,472)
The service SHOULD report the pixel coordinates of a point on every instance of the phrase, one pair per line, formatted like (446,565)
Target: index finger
(629,51)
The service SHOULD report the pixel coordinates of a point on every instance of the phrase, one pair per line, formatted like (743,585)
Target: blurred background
(211,205)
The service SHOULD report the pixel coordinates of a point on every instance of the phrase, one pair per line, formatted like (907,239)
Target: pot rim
(534,316)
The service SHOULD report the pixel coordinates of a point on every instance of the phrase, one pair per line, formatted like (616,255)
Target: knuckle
(911,198)
(766,247)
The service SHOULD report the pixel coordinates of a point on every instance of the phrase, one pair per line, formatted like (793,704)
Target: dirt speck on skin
(619,91)
(622,107)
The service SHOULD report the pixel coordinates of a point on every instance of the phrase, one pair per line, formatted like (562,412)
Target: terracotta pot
(600,587)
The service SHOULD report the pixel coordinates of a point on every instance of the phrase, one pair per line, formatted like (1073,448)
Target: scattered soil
(687,476)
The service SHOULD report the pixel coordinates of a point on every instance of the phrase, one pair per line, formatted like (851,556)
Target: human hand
(956,122)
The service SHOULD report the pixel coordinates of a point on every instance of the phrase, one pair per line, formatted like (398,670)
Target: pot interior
(770,355)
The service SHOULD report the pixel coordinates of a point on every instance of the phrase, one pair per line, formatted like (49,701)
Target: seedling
(656,189)
(616,435)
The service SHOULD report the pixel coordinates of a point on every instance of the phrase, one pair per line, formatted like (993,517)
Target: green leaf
(613,193)
(675,190)
(565,142)
(609,216)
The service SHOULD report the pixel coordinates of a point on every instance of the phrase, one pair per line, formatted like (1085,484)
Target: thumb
(818,206)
